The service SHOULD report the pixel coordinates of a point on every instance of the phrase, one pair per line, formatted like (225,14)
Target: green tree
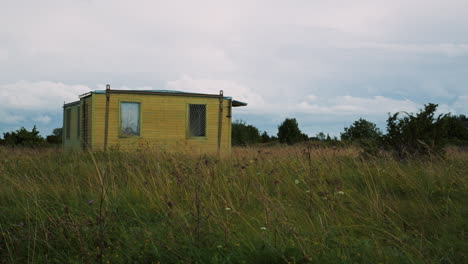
(321,136)
(361,130)
(23,137)
(56,137)
(244,135)
(416,134)
(289,132)
(457,129)
(265,138)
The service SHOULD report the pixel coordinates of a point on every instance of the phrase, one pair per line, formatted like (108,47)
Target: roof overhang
(71,104)
(165,93)
(238,103)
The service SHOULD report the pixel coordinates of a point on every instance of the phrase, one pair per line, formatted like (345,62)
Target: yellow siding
(73,142)
(86,116)
(163,123)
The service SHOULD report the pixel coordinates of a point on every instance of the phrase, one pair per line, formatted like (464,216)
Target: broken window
(197,120)
(129,119)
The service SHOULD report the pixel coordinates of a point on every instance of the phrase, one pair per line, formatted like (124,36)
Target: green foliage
(56,137)
(361,130)
(244,135)
(265,138)
(262,205)
(321,136)
(23,138)
(416,134)
(289,132)
(457,129)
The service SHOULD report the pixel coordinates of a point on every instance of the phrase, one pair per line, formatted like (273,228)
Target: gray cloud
(325,62)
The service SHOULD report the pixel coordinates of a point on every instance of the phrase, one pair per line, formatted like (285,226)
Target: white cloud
(45,95)
(281,57)
(230,88)
(9,118)
(350,105)
(449,49)
(44,119)
(461,104)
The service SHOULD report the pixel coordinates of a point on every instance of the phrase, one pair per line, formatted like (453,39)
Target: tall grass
(261,205)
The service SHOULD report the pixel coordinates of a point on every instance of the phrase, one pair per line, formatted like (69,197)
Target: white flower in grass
(227,209)
(296,181)
(219,246)
(340,192)
(308,191)
(263,228)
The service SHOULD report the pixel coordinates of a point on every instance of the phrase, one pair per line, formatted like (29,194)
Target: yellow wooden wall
(163,123)
(87,105)
(74,141)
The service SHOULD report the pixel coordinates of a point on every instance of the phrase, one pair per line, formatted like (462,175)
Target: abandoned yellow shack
(160,119)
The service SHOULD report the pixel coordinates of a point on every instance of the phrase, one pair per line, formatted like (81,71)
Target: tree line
(406,133)
(25,138)
(423,132)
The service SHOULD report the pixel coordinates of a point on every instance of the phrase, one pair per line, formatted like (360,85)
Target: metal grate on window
(68,123)
(197,120)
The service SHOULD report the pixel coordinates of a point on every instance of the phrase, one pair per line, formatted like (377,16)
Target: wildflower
(219,246)
(227,209)
(308,191)
(90,202)
(263,228)
(340,192)
(296,181)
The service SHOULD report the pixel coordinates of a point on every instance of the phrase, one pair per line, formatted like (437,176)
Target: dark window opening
(197,120)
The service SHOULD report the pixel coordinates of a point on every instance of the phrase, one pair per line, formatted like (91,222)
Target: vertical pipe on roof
(106,122)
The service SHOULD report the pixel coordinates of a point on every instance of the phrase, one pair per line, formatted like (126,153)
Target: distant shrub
(56,137)
(289,132)
(361,130)
(364,134)
(244,135)
(24,138)
(416,134)
(457,130)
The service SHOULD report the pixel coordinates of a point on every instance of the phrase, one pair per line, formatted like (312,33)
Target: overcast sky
(325,63)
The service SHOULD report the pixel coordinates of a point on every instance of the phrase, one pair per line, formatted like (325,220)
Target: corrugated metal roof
(166,92)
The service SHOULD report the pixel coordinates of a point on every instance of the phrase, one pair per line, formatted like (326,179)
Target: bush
(361,130)
(416,134)
(24,138)
(56,137)
(289,132)
(243,134)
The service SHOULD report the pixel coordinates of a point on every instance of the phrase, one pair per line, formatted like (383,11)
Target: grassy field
(262,205)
